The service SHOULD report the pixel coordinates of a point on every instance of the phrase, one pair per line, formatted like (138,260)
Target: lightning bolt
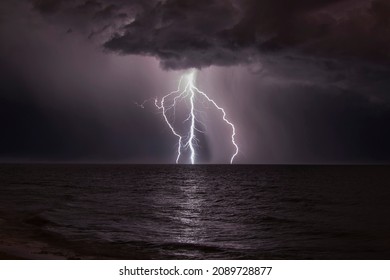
(188,91)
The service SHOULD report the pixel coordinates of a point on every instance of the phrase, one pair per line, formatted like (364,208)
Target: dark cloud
(200,33)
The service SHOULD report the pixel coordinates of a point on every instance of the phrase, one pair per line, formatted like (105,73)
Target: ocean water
(200,212)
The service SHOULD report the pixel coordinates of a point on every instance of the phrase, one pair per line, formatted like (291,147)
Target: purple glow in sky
(302,81)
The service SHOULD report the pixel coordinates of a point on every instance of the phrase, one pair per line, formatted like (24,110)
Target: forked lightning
(188,91)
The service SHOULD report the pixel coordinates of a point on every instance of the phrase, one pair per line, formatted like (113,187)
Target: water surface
(201,212)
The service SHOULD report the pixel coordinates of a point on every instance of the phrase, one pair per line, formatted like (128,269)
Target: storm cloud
(201,33)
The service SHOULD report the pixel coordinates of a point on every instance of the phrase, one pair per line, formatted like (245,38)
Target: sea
(199,211)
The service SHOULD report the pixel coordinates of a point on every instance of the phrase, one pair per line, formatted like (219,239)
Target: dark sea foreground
(195,212)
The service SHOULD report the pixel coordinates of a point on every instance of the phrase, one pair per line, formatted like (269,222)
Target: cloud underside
(201,33)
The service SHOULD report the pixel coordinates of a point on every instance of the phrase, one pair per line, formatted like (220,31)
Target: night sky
(304,81)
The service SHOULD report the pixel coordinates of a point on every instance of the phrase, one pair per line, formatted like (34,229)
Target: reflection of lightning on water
(188,91)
